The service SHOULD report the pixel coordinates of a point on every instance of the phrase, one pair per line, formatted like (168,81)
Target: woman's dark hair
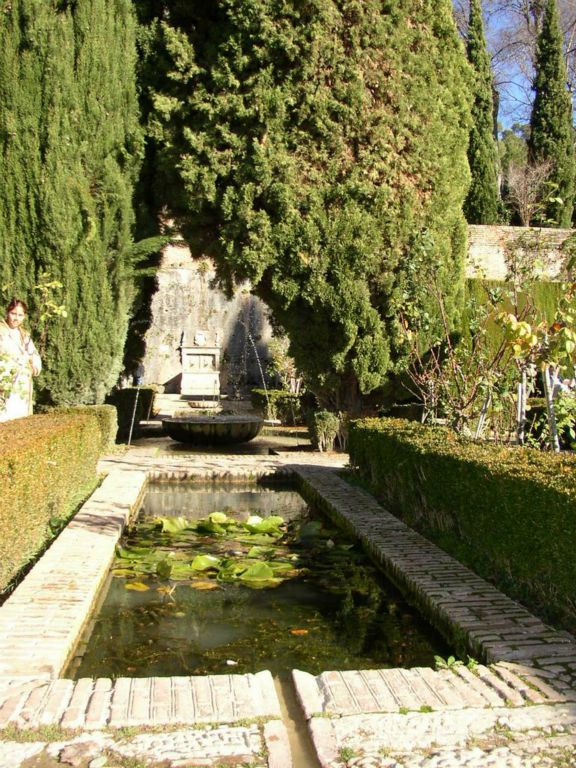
(14,302)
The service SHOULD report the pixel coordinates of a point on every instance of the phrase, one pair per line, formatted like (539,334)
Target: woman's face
(15,317)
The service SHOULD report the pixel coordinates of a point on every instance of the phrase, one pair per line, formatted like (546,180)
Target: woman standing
(19,362)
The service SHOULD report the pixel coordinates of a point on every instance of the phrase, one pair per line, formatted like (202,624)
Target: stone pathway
(518,709)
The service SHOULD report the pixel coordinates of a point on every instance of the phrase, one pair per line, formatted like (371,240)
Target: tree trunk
(549,394)
(521,410)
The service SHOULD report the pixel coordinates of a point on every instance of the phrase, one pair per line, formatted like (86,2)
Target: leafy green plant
(452,661)
(282,367)
(461,376)
(346,753)
(448,663)
(538,430)
(469,377)
(324,427)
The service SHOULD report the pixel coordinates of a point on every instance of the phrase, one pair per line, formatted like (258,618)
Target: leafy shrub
(324,429)
(46,461)
(277,404)
(538,428)
(507,512)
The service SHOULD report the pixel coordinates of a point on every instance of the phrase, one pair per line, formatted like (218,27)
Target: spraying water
(257,356)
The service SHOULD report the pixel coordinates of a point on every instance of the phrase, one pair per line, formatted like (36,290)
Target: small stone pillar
(200,369)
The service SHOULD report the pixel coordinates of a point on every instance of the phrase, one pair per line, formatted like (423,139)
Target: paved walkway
(517,709)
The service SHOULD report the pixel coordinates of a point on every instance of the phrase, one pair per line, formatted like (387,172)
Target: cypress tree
(482,203)
(551,136)
(318,148)
(70,148)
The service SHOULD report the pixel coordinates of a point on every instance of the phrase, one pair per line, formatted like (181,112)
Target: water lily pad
(198,584)
(163,569)
(182,572)
(285,568)
(267,525)
(261,552)
(218,517)
(137,586)
(257,572)
(204,562)
(122,572)
(131,553)
(173,524)
(210,528)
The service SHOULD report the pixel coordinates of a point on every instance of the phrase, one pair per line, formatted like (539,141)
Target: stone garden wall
(187,308)
(486,246)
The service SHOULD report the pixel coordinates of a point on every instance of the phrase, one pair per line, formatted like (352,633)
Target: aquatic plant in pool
(241,592)
(193,551)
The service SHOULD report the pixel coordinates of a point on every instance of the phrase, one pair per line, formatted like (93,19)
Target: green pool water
(330,608)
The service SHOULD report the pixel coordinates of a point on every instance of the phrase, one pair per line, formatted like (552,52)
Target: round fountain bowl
(219,429)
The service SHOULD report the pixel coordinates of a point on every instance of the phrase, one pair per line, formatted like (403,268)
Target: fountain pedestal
(200,371)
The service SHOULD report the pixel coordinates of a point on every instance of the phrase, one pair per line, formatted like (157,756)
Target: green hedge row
(509,513)
(46,463)
(106,418)
(544,294)
(133,405)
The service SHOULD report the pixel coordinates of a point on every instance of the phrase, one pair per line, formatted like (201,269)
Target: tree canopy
(551,132)
(482,205)
(317,148)
(70,147)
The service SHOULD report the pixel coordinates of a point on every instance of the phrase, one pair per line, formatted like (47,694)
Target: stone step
(352,692)
(93,704)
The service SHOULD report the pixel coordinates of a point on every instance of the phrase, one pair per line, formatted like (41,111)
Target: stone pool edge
(530,663)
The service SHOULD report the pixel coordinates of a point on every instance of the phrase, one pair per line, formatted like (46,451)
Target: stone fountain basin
(217,429)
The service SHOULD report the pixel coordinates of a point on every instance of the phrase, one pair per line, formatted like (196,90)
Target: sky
(511,29)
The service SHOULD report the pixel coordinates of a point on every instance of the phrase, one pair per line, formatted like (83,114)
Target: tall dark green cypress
(318,148)
(552,135)
(482,202)
(70,146)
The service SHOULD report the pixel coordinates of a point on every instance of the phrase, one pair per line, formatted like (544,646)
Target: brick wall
(486,246)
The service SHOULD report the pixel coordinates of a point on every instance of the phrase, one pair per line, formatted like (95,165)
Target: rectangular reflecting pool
(240,578)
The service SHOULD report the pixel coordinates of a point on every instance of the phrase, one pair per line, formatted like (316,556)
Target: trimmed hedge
(106,418)
(46,461)
(124,401)
(545,294)
(509,513)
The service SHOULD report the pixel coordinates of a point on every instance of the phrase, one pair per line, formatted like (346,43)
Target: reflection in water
(194,500)
(338,613)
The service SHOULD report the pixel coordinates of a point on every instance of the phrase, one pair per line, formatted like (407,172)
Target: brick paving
(516,708)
